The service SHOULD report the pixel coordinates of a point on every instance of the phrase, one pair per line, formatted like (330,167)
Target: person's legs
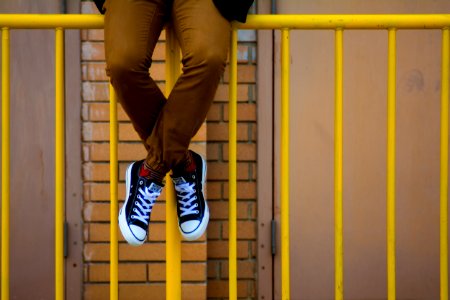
(132,29)
(203,35)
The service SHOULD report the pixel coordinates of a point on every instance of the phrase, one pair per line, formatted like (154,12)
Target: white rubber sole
(123,225)
(196,234)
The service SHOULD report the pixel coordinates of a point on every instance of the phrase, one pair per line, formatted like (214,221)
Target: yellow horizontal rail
(284,23)
(399,21)
(47,21)
(419,21)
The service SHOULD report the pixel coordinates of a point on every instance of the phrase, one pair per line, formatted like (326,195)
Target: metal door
(32,156)
(311,148)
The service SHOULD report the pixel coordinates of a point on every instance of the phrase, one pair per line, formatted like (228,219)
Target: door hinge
(66,239)
(273,242)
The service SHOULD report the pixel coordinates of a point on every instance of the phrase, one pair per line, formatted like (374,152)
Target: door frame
(74,182)
(265,137)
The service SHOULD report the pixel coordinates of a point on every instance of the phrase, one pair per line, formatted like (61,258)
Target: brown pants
(132,28)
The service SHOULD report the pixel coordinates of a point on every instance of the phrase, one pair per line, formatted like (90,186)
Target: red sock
(188,166)
(148,173)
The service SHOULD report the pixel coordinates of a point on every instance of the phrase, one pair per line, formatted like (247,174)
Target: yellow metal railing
(285,23)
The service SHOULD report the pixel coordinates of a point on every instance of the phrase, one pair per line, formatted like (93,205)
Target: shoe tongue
(154,187)
(178,180)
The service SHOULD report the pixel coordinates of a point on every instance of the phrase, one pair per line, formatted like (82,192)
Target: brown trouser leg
(132,28)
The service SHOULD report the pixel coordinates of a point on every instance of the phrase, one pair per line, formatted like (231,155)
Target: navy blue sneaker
(141,195)
(192,209)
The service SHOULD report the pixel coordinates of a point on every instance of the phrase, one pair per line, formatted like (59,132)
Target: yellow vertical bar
(232,168)
(5,163)
(338,219)
(59,164)
(391,163)
(444,165)
(114,205)
(284,178)
(173,238)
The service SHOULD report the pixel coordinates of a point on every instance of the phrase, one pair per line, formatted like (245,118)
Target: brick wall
(142,270)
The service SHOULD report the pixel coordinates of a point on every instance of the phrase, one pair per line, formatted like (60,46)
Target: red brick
(127,133)
(193,291)
(219,132)
(245,74)
(245,152)
(99,111)
(127,272)
(157,232)
(246,269)
(193,252)
(158,71)
(219,210)
(94,211)
(159,53)
(222,94)
(214,190)
(245,190)
(214,151)
(95,91)
(96,291)
(157,271)
(101,191)
(91,51)
(126,152)
(99,232)
(213,269)
(93,71)
(245,230)
(219,289)
(96,172)
(93,34)
(193,271)
(245,112)
(96,252)
(219,249)
(214,230)
(215,112)
(219,171)
(145,252)
(156,291)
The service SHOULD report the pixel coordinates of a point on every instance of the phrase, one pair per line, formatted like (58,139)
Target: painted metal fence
(284,23)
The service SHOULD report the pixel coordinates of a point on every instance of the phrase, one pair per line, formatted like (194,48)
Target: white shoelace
(145,204)
(187,191)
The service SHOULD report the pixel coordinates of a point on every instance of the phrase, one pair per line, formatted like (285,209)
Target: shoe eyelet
(140,182)
(197,212)
(193,176)
(132,217)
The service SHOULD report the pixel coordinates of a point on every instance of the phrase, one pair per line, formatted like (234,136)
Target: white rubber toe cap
(138,232)
(189,226)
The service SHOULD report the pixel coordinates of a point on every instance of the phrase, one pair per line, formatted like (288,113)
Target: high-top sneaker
(192,209)
(141,195)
